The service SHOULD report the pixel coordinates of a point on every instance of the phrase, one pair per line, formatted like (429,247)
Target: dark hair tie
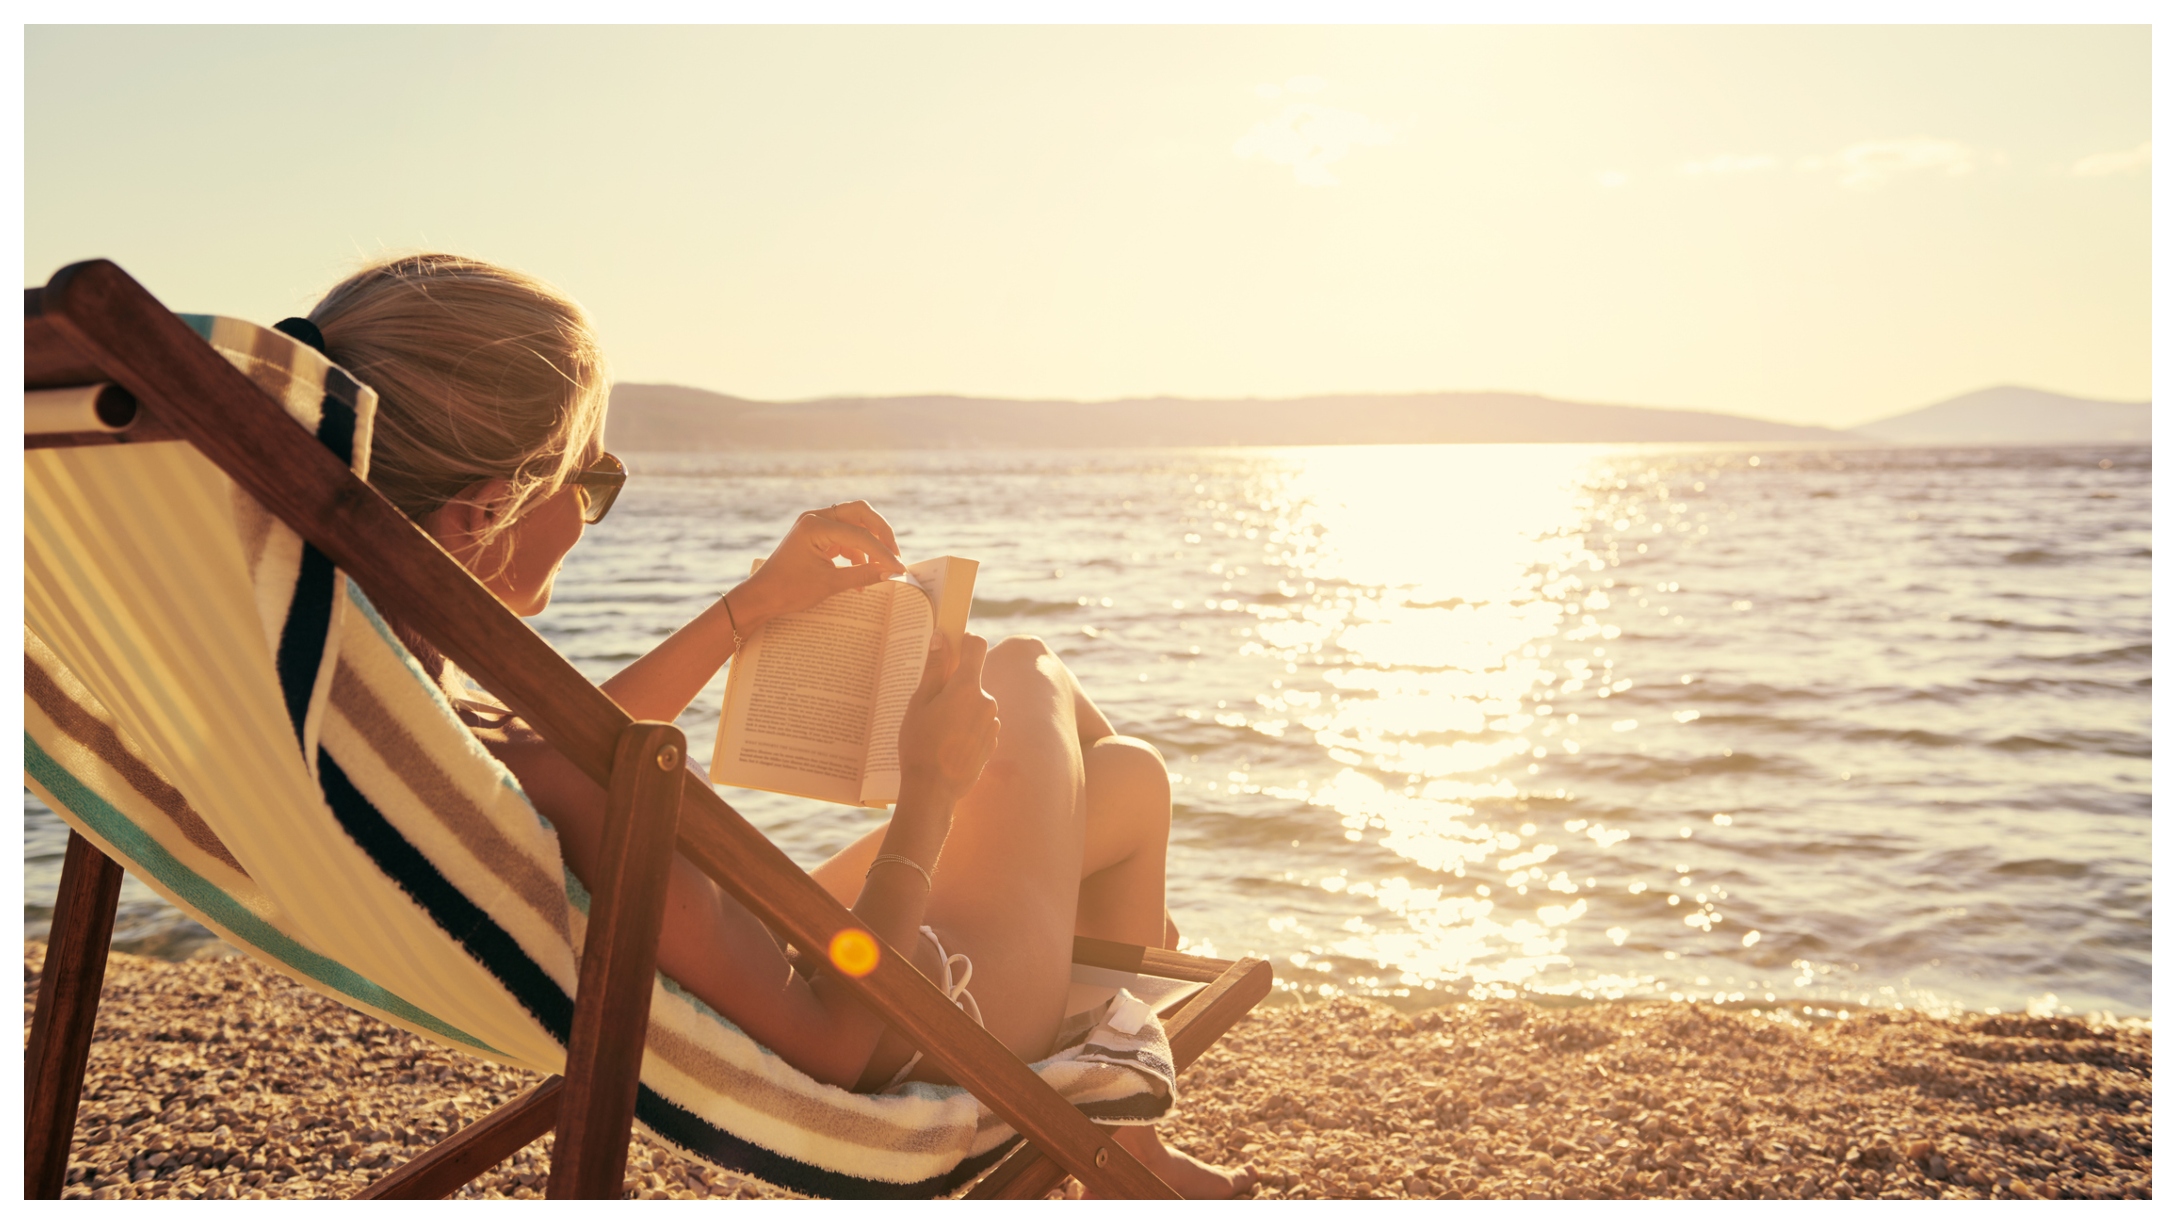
(305,331)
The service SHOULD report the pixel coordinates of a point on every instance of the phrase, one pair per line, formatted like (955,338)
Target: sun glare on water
(1455,590)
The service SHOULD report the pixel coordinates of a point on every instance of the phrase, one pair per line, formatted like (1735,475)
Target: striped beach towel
(215,706)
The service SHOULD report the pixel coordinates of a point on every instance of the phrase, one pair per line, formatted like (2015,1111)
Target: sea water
(1832,728)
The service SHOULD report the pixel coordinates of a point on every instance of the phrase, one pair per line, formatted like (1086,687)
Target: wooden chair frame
(93,323)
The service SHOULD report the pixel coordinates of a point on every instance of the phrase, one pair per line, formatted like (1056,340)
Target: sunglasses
(598,486)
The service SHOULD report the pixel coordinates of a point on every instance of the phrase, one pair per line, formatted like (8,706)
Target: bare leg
(1129,822)
(1007,883)
(1128,832)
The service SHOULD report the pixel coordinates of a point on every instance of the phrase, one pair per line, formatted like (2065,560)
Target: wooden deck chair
(169,683)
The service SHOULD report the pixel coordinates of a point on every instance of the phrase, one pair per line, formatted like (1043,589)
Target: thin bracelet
(726,598)
(899,858)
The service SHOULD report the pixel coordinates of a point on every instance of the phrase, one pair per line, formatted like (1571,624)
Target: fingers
(848,577)
(966,685)
(861,514)
(974,648)
(832,537)
(936,670)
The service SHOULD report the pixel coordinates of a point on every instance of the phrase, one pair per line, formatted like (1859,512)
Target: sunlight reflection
(1447,581)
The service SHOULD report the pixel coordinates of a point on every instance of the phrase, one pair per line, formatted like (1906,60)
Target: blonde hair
(482,373)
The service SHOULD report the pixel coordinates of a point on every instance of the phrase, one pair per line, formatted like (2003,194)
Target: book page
(814,700)
(800,697)
(906,652)
(950,582)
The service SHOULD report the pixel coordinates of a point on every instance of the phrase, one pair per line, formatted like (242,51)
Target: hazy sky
(1822,225)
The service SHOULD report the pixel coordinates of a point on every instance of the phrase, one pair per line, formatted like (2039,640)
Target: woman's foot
(1192,1178)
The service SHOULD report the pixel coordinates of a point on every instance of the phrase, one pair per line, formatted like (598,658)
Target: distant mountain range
(655,417)
(2018,414)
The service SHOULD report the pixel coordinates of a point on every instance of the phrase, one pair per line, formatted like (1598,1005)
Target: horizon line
(1138,398)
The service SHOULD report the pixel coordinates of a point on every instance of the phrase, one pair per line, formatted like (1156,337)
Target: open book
(813,701)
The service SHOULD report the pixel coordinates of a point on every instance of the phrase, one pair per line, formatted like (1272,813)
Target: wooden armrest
(1155,962)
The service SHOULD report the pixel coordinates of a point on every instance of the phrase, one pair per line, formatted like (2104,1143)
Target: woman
(1022,819)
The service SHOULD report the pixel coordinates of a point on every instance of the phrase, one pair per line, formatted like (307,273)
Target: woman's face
(531,550)
(535,548)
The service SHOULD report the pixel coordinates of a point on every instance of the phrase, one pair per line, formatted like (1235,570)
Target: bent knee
(1133,764)
(1021,657)
(1019,648)
(1135,752)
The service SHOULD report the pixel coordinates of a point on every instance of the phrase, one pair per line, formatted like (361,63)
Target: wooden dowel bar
(1155,962)
(94,408)
(142,431)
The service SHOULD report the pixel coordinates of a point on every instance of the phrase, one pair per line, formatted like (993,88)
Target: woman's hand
(950,727)
(801,573)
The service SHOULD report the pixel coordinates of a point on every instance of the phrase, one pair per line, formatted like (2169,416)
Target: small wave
(2113,745)
(2032,556)
(1915,736)
(1024,607)
(2136,652)
(1996,622)
(2067,800)
(1748,762)
(1836,848)
(2056,868)
(1185,737)
(1653,768)
(1979,690)
(1751,695)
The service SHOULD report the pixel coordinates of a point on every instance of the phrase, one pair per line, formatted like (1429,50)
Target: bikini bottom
(955,989)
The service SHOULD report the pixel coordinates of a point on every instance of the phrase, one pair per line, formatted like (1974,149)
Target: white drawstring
(956,991)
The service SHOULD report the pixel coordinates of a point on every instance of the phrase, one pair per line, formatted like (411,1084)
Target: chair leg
(619,964)
(1028,1174)
(60,1033)
(460,1159)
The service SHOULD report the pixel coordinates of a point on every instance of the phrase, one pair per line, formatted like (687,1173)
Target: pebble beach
(216,1078)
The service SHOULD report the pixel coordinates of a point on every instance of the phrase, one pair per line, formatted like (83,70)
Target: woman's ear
(457,524)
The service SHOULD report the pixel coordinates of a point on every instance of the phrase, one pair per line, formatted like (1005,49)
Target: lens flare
(854,952)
